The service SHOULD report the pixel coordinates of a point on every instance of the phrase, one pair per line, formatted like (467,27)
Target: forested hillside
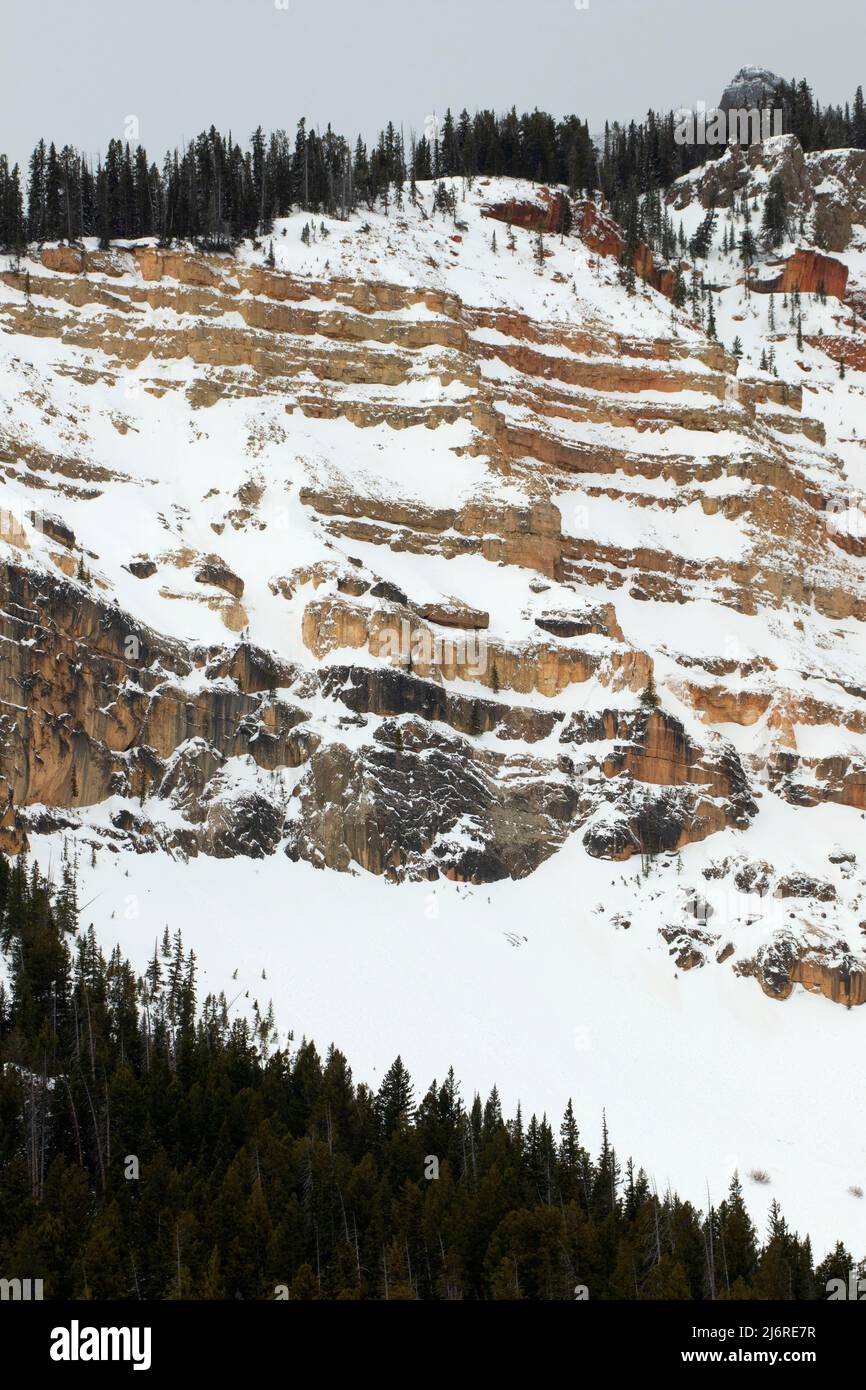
(153,1148)
(216,192)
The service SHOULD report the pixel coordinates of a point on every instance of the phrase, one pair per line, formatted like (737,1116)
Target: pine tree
(394,1101)
(738,1250)
(305,1286)
(36,211)
(649,694)
(477,720)
(774,226)
(702,241)
(748,249)
(695,295)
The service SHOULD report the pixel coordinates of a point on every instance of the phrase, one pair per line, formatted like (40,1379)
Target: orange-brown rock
(821,964)
(544,216)
(719,704)
(69,260)
(808,272)
(605,238)
(401,638)
(212,570)
(98,687)
(453,613)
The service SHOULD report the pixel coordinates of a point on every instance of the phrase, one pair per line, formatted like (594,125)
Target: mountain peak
(749,87)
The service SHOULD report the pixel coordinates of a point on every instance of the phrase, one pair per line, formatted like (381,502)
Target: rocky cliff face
(824,191)
(751,87)
(378,558)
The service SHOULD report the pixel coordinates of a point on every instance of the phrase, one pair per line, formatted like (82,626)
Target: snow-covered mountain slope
(534,987)
(372,556)
(366,549)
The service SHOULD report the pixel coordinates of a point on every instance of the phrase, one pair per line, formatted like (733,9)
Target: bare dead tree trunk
(74,1121)
(96,1133)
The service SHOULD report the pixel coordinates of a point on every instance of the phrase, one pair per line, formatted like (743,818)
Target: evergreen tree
(395,1098)
(774,225)
(649,694)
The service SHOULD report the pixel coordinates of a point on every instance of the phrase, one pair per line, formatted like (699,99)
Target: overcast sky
(74,70)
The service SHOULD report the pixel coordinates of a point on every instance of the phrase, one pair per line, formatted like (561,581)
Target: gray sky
(74,70)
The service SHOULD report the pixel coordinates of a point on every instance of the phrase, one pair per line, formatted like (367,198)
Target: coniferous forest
(155,1148)
(215,193)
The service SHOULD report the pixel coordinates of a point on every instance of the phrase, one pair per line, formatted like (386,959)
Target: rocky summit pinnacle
(749,87)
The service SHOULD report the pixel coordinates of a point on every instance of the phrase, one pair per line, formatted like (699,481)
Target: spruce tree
(649,695)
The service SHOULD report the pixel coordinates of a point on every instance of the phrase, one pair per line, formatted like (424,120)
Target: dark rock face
(250,825)
(390,592)
(388,693)
(55,528)
(217,574)
(750,87)
(422,798)
(804,886)
(651,821)
(142,569)
(107,715)
(419,803)
(754,878)
(565,627)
